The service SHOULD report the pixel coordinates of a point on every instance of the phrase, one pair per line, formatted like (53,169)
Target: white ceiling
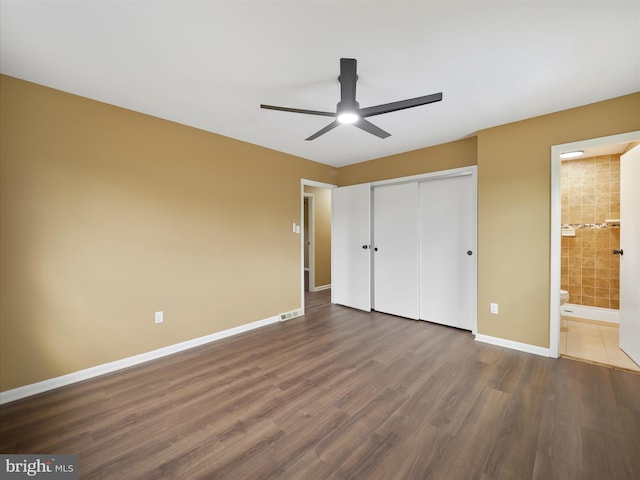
(210,64)
(604,150)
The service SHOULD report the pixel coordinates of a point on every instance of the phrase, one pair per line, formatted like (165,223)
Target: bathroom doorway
(586,228)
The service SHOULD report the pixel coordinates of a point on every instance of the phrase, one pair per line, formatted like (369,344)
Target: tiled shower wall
(590,190)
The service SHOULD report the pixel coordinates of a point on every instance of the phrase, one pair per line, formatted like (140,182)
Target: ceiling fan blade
(348,78)
(401,105)
(367,126)
(324,130)
(298,110)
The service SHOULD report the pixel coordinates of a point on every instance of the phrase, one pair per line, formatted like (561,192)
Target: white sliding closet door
(350,242)
(448,267)
(395,242)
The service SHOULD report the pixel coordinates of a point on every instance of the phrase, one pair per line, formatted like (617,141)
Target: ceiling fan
(348,109)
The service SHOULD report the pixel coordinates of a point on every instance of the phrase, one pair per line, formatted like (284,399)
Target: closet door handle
(365,246)
(618,252)
(469,252)
(375,249)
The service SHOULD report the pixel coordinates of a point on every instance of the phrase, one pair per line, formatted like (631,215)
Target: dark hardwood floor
(341,394)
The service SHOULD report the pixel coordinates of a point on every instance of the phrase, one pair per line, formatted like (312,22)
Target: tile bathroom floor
(594,342)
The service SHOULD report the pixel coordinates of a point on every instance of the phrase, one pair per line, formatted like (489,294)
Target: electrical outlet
(159,317)
(494,308)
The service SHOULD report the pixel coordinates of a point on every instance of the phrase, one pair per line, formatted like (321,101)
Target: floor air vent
(290,315)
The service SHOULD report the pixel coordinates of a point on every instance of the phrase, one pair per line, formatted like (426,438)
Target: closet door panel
(448,251)
(350,242)
(395,241)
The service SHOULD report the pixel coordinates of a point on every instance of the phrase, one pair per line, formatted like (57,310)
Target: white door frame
(312,183)
(556,218)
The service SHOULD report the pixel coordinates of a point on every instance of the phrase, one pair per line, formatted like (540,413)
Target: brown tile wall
(590,190)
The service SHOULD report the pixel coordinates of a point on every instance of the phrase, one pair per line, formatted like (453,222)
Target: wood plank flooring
(341,394)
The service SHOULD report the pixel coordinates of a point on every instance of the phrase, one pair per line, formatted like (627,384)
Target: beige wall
(514,189)
(321,234)
(109,215)
(461,153)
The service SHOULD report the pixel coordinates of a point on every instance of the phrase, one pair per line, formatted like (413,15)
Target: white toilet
(564,297)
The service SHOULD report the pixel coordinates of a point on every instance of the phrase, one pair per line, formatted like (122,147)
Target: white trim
(321,287)
(70,378)
(313,183)
(556,218)
(522,347)
(452,172)
(556,246)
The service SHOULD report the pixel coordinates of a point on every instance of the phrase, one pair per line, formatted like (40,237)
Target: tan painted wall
(514,178)
(321,234)
(109,215)
(461,153)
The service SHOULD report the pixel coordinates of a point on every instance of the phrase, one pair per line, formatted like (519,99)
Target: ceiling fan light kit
(348,110)
(348,117)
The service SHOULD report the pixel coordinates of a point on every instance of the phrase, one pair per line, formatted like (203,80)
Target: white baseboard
(64,380)
(523,347)
(321,287)
(590,313)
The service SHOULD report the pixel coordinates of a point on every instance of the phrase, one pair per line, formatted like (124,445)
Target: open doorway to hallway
(315,238)
(307,233)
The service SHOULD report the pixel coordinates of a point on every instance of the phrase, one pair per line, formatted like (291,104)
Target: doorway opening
(585,230)
(315,242)
(307,240)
